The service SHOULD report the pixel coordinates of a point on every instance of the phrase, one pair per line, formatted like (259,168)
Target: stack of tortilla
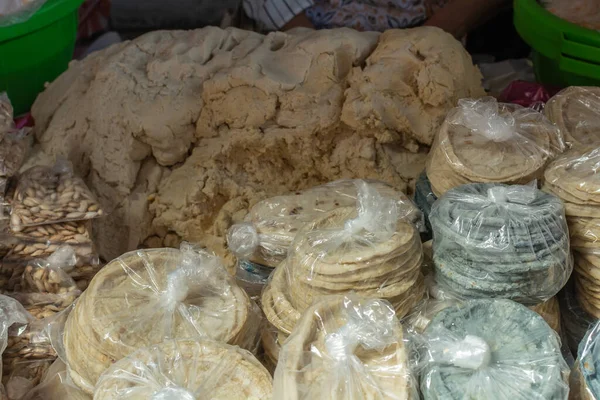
(484,141)
(585,379)
(325,259)
(575,320)
(439,299)
(500,241)
(262,241)
(576,112)
(492,349)
(345,347)
(575,178)
(276,221)
(147,296)
(271,340)
(187,370)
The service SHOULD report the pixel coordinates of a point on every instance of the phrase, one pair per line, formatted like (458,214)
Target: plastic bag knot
(483,117)
(512,194)
(471,353)
(173,393)
(340,345)
(242,240)
(177,288)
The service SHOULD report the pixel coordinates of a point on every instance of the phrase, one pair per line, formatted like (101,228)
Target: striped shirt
(272,15)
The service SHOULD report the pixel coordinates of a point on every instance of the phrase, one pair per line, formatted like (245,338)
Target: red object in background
(25,120)
(93,18)
(527,94)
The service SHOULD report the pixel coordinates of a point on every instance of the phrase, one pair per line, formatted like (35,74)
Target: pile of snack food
(47,251)
(337,292)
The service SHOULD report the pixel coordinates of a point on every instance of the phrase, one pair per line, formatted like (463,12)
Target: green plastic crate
(37,51)
(564,54)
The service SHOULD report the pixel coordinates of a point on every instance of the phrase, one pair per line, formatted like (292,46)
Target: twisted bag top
(186,370)
(495,240)
(493,350)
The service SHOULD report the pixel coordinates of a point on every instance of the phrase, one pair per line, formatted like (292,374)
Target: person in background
(457,17)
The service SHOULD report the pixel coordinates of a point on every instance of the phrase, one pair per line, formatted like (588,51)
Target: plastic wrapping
(424,199)
(27,350)
(56,385)
(147,296)
(13,151)
(14,143)
(500,241)
(17,11)
(368,249)
(272,224)
(486,141)
(587,282)
(43,240)
(345,347)
(52,195)
(271,340)
(7,123)
(576,112)
(252,277)
(50,275)
(575,179)
(186,370)
(575,320)
(438,299)
(585,382)
(24,376)
(585,13)
(492,349)
(13,321)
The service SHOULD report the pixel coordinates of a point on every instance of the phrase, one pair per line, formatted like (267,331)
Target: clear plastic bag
(500,241)
(24,376)
(424,199)
(272,224)
(575,179)
(147,296)
(56,385)
(14,148)
(44,240)
(52,195)
(438,299)
(368,249)
(252,277)
(485,141)
(576,112)
(27,348)
(345,347)
(494,350)
(13,321)
(17,11)
(44,286)
(7,123)
(271,340)
(587,281)
(585,13)
(575,320)
(585,382)
(14,143)
(50,275)
(186,370)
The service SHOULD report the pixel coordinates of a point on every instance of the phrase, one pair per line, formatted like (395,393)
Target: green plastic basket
(564,54)
(37,51)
